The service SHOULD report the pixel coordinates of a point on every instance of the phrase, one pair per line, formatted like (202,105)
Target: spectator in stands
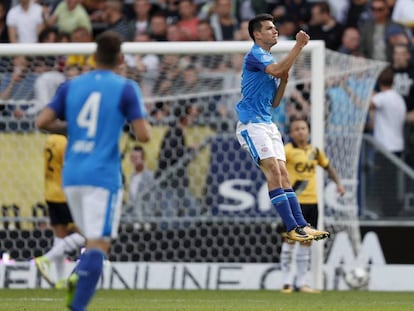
(174,157)
(339,9)
(143,67)
(170,8)
(86,62)
(25,22)
(247,9)
(17,85)
(389,115)
(4,31)
(141,23)
(141,188)
(298,10)
(323,26)
(300,153)
(158,27)
(169,71)
(95,9)
(189,81)
(231,81)
(242,33)
(222,20)
(188,21)
(357,13)
(45,87)
(404,85)
(396,34)
(68,16)
(67,239)
(373,32)
(404,74)
(205,31)
(173,33)
(116,21)
(350,42)
(48,35)
(287,28)
(403,13)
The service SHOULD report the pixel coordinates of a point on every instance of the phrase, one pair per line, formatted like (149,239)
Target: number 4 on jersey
(88,116)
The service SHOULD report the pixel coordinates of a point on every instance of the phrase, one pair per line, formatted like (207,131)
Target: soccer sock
(73,242)
(281,203)
(89,270)
(67,245)
(286,254)
(302,264)
(60,268)
(295,207)
(55,252)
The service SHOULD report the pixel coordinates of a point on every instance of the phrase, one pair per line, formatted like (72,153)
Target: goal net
(207,201)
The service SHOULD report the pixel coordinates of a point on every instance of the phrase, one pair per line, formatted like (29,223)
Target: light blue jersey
(257,87)
(96,106)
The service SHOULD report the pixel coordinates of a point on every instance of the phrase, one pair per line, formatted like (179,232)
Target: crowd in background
(375,29)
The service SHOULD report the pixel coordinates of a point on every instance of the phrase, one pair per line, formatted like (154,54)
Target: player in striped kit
(67,239)
(302,159)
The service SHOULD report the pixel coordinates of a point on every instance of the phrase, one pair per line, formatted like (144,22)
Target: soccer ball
(357,278)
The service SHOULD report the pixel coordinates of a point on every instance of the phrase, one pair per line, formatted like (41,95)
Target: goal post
(230,190)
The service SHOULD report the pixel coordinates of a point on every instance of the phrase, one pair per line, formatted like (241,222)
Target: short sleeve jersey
(301,165)
(257,87)
(96,106)
(54,152)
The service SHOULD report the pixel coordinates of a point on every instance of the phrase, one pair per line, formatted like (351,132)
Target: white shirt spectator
(26,23)
(45,87)
(403,12)
(390,114)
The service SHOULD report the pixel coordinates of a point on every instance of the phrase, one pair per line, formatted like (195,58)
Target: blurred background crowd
(374,29)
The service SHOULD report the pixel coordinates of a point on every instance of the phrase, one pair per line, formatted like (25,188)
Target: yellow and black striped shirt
(301,165)
(53,155)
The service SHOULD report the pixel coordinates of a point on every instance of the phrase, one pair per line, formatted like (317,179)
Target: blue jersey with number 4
(257,87)
(96,106)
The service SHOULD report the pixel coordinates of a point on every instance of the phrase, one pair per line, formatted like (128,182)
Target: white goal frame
(315,48)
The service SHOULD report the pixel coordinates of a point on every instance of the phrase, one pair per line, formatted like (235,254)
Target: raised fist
(302,38)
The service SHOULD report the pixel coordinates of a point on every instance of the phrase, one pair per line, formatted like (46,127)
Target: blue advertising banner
(235,185)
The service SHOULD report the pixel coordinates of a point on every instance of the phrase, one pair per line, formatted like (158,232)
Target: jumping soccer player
(263,85)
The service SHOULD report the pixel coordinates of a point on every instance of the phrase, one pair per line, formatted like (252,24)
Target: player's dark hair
(141,149)
(108,48)
(298,117)
(255,24)
(386,77)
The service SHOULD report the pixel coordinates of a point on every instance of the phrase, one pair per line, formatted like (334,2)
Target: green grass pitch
(225,300)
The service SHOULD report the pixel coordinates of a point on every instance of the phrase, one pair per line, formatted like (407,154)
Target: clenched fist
(302,38)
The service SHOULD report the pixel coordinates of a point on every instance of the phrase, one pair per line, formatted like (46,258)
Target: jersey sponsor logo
(304,167)
(83,146)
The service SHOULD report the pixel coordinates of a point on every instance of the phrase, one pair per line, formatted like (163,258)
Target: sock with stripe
(281,203)
(295,207)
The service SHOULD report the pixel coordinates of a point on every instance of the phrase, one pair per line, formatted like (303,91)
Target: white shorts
(262,140)
(96,211)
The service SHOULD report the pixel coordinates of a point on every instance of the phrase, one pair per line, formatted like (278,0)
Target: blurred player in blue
(93,108)
(263,86)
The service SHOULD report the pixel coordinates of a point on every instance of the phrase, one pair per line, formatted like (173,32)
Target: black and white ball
(357,278)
